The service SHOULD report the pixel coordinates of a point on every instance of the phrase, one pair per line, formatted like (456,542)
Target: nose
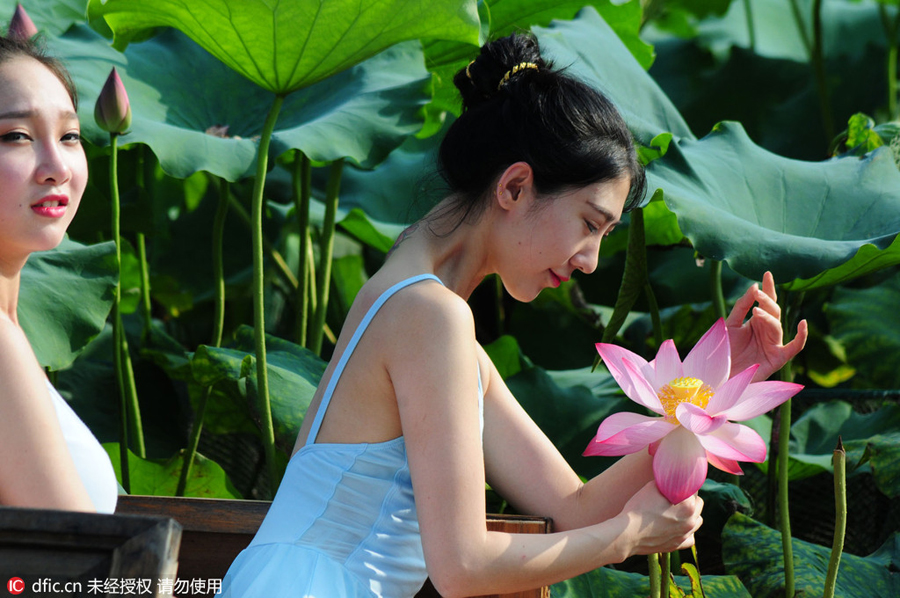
(53,168)
(587,259)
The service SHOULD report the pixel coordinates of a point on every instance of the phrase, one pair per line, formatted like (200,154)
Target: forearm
(504,563)
(604,496)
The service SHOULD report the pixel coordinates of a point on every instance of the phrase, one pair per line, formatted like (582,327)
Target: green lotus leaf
(847,27)
(290,44)
(159,477)
(867,323)
(294,374)
(735,201)
(609,583)
(183,113)
(65,298)
(753,552)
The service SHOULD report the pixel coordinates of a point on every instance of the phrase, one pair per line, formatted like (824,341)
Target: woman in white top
(48,457)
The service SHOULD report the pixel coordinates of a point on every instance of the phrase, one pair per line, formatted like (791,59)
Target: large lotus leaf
(871,442)
(753,552)
(159,477)
(50,17)
(734,200)
(196,114)
(65,298)
(759,211)
(847,27)
(609,583)
(867,323)
(294,374)
(286,45)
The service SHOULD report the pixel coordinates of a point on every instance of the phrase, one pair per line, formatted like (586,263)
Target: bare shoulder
(16,355)
(429,308)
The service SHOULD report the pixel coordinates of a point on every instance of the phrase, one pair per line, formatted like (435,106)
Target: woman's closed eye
(592,228)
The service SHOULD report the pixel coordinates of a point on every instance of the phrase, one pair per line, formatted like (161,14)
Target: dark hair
(568,132)
(13,47)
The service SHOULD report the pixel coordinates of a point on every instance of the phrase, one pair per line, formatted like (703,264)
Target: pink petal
(759,398)
(624,433)
(710,359)
(726,465)
(736,442)
(679,465)
(613,356)
(696,419)
(642,392)
(730,392)
(667,365)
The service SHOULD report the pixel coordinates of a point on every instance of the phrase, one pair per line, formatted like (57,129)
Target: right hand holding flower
(656,525)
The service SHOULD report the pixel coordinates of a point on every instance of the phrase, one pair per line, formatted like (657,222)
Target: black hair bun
(502,64)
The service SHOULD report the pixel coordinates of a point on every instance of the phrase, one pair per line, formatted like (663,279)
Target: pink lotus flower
(696,401)
(113,110)
(21,26)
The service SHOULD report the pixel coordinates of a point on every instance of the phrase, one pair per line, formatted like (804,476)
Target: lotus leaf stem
(302,180)
(326,250)
(259,319)
(751,28)
(218,241)
(818,60)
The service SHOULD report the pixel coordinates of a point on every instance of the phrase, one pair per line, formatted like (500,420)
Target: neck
(9,294)
(460,257)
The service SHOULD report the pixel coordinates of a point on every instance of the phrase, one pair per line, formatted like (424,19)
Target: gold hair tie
(519,67)
(468,74)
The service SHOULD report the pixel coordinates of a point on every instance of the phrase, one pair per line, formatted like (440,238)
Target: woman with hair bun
(50,458)
(386,483)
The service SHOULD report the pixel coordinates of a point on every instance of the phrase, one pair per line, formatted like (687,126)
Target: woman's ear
(515,184)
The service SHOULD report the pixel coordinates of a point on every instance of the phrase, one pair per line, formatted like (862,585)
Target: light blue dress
(343,523)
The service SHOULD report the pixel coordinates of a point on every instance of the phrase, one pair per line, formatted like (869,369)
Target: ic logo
(15,585)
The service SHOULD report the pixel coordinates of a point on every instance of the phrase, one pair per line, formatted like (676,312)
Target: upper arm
(433,369)
(43,474)
(521,463)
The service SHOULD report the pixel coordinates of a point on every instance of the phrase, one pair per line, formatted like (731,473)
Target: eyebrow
(66,114)
(610,219)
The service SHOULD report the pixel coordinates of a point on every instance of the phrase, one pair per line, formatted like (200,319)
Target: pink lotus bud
(113,111)
(21,26)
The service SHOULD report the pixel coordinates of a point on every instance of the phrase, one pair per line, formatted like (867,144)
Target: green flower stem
(788,310)
(654,313)
(751,28)
(890,32)
(259,319)
(326,250)
(634,280)
(715,282)
(131,412)
(218,328)
(665,574)
(653,566)
(302,179)
(783,512)
(697,564)
(818,59)
(840,517)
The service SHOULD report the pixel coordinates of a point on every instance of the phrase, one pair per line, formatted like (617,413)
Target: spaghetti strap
(354,340)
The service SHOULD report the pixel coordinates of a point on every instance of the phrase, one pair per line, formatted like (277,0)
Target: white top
(93,464)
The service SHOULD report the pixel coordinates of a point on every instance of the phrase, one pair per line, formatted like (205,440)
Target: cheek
(79,179)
